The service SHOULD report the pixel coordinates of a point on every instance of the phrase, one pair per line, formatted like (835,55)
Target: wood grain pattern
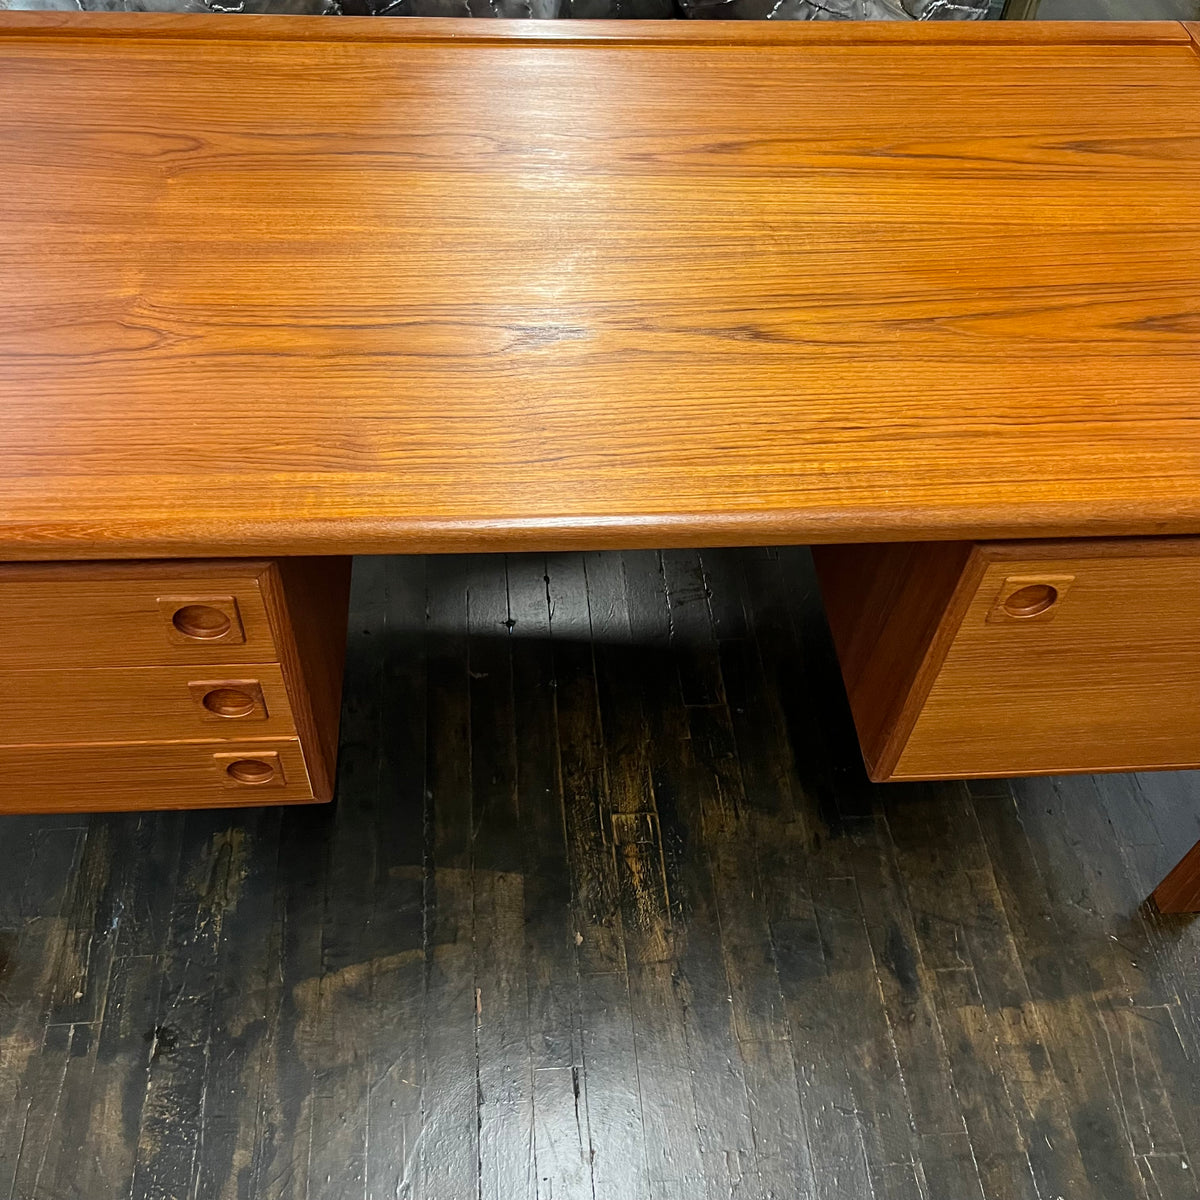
(341,286)
(135,704)
(112,614)
(1108,679)
(1032,697)
(309,598)
(161,775)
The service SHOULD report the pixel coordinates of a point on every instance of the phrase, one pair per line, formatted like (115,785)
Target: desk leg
(1179,892)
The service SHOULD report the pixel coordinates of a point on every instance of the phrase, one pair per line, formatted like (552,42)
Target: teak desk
(927,297)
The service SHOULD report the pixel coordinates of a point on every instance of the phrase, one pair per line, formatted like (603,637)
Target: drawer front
(139,614)
(110,778)
(1069,657)
(143,704)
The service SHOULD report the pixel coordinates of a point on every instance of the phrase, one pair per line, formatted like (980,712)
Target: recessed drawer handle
(201,620)
(250,769)
(229,700)
(1031,600)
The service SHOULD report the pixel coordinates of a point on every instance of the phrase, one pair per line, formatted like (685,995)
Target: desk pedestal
(170,684)
(1022,658)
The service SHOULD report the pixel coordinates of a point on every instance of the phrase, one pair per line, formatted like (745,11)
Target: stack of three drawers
(170,684)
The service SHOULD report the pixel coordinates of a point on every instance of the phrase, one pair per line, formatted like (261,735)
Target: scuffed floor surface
(605,912)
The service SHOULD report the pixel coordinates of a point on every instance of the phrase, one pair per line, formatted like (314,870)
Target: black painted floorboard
(605,911)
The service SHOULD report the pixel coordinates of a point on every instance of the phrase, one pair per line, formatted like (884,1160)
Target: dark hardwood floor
(605,909)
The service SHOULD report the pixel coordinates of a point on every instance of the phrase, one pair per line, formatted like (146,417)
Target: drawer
(1019,658)
(143,704)
(192,775)
(135,614)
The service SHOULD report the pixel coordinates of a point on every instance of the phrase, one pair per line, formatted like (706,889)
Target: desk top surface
(293,284)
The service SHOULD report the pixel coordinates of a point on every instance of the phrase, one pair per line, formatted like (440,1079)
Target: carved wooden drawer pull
(229,700)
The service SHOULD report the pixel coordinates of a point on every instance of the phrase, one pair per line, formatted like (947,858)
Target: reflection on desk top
(292,284)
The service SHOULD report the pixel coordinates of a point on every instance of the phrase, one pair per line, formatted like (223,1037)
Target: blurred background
(721,10)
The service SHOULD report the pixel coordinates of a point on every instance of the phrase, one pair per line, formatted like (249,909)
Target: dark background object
(783,10)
